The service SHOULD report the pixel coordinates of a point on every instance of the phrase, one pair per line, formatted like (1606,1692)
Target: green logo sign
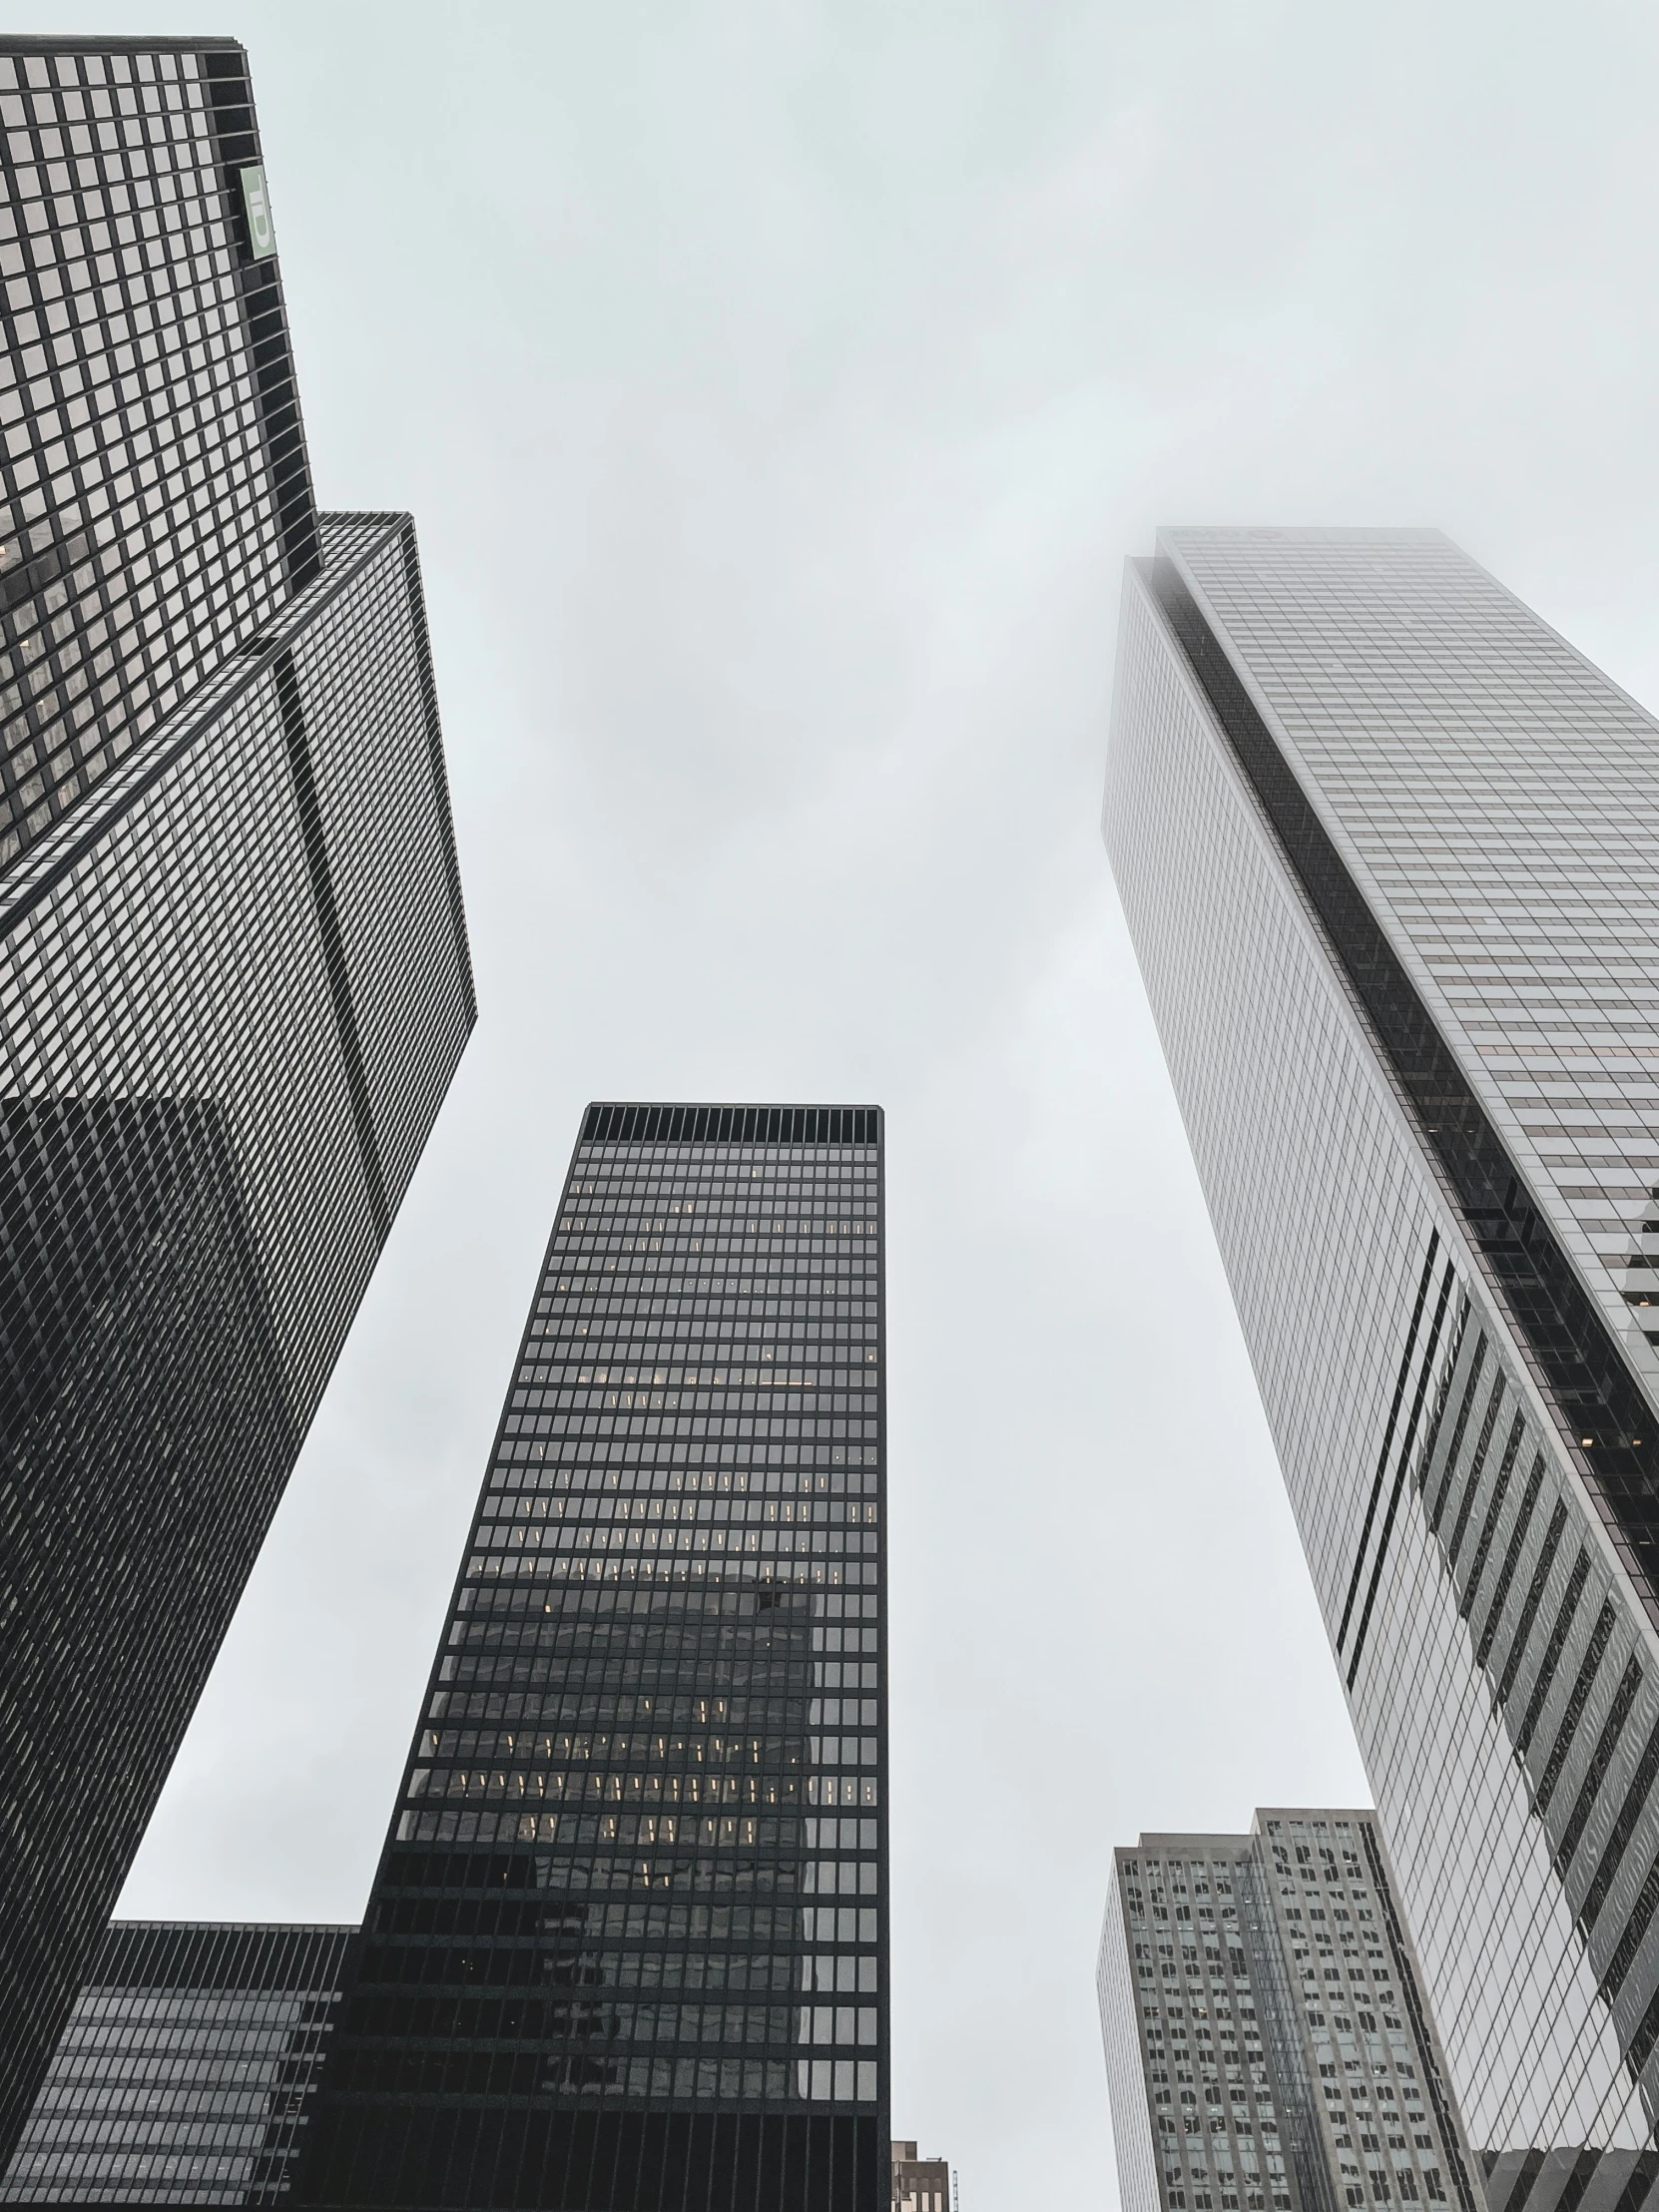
(257,208)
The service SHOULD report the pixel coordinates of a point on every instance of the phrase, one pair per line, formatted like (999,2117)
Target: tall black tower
(627,1943)
(233,970)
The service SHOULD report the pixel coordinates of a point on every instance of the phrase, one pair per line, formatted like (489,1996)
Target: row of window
(593,2014)
(557,1785)
(727,2081)
(525,1519)
(660,1177)
(649,1920)
(597,2018)
(698,1751)
(1251,2197)
(578,1372)
(723,1831)
(1379,1973)
(701,1709)
(743,1972)
(601,1326)
(573,1706)
(659,1920)
(697,1205)
(803,1255)
(766,1341)
(204,2105)
(709,1162)
(136,2049)
(570,1552)
(545,1472)
(147,81)
(523,1579)
(713,1390)
(1162,1914)
(690,1217)
(722,1750)
(780,1423)
(554,1786)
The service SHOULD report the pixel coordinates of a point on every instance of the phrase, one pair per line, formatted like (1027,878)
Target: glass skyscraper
(1382,839)
(1268,2044)
(234,971)
(627,1943)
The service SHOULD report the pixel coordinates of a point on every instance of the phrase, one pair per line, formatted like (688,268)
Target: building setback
(234,971)
(627,1943)
(186,2072)
(1378,833)
(1267,2040)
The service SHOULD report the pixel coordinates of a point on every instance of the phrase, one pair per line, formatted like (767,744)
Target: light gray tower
(1266,2039)
(1385,841)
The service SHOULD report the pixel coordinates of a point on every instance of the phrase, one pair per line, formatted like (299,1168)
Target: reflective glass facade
(627,1943)
(1267,2038)
(1376,831)
(187,2070)
(156,504)
(234,971)
(234,986)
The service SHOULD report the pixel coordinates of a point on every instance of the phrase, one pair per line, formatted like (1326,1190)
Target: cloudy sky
(779,389)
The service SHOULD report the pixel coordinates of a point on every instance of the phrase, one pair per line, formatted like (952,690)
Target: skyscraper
(627,1943)
(1380,836)
(234,971)
(186,2072)
(1267,2040)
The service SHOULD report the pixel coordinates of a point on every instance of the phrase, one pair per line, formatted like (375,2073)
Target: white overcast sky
(779,389)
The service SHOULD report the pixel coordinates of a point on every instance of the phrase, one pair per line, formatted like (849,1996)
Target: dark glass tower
(234,972)
(627,1943)
(187,2070)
